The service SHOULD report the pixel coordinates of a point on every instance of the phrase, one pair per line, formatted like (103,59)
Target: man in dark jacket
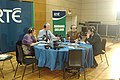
(94,39)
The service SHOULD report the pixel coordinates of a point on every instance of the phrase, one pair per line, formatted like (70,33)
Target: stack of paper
(42,44)
(71,47)
(3,56)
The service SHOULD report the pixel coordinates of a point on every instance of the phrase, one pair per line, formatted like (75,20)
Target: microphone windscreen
(68,35)
(80,37)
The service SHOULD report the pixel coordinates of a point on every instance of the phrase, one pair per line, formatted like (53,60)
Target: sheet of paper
(71,47)
(3,56)
(42,41)
(82,42)
(42,44)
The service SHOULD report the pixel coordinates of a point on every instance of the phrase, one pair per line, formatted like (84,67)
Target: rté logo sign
(57,14)
(15,15)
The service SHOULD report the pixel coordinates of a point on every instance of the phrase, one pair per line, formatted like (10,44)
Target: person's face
(89,32)
(34,32)
(47,27)
(73,28)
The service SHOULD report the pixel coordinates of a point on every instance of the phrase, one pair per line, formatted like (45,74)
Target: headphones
(92,29)
(71,26)
(44,25)
(30,30)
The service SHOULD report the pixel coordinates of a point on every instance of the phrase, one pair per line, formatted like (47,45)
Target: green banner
(59,23)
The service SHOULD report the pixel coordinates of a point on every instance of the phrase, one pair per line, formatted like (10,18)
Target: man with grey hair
(45,34)
(73,34)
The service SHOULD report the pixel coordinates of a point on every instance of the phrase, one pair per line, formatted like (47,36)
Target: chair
(75,62)
(22,59)
(4,57)
(103,51)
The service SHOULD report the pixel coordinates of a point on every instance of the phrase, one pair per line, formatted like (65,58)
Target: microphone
(68,35)
(80,37)
(61,38)
(44,38)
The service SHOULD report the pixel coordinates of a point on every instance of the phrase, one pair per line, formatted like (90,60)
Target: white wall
(85,10)
(70,20)
(98,10)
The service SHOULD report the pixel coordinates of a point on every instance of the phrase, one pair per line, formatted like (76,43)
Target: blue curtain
(11,32)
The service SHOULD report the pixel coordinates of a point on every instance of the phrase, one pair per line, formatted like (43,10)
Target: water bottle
(69,39)
(51,44)
(48,41)
(64,40)
(76,43)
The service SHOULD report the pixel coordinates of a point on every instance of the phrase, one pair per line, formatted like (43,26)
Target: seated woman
(28,41)
(73,34)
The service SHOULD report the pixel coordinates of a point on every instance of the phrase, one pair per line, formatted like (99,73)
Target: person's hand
(37,42)
(44,38)
(88,35)
(68,38)
(33,44)
(35,37)
(34,33)
(58,38)
(87,42)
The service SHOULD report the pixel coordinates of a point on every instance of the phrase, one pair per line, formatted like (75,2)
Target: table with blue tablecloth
(55,58)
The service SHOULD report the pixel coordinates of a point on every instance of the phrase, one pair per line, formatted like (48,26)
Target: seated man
(94,39)
(28,41)
(73,34)
(46,34)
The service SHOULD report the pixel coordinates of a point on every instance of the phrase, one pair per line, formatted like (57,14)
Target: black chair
(22,59)
(3,58)
(103,50)
(75,63)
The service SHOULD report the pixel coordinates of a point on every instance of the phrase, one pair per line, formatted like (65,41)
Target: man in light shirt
(45,34)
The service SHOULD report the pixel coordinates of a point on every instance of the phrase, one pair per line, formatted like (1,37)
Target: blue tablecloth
(90,54)
(54,59)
